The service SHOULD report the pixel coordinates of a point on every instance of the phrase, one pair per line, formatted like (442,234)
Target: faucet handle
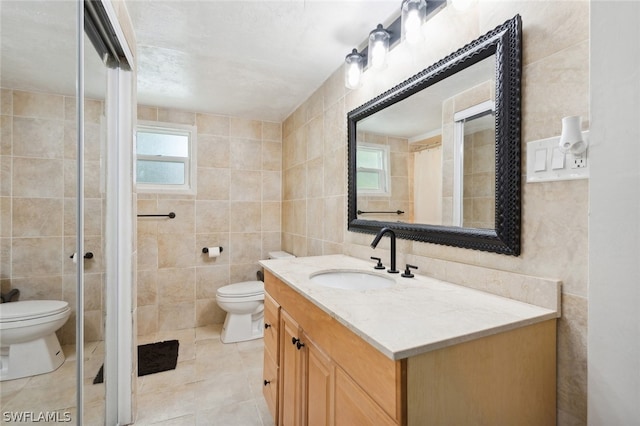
(407,273)
(379,265)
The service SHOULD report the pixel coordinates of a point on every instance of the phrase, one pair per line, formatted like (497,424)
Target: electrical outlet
(579,162)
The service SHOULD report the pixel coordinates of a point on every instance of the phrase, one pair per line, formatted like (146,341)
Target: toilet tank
(279,255)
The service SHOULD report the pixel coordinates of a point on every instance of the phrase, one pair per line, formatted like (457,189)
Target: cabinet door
(291,372)
(354,407)
(271,326)
(270,385)
(319,385)
(271,350)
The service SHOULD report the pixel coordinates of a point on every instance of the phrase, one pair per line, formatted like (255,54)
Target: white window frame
(384,173)
(190,162)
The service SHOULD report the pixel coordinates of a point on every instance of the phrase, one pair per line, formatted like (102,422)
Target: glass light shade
(353,67)
(414,13)
(571,139)
(378,47)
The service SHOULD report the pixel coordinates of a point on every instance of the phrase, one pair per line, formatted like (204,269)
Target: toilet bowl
(244,304)
(28,341)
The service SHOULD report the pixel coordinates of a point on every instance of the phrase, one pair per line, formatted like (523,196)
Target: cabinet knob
(298,344)
(266,325)
(266,382)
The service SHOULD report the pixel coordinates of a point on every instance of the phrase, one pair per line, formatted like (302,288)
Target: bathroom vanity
(419,352)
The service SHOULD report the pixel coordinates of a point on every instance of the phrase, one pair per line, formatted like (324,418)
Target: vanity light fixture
(572,139)
(353,68)
(374,51)
(378,47)
(414,13)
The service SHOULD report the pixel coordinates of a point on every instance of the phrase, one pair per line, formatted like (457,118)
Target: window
(165,157)
(373,169)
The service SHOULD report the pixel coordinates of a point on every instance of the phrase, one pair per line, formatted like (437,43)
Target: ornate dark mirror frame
(505,42)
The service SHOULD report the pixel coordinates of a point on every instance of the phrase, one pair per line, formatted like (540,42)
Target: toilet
(244,304)
(28,341)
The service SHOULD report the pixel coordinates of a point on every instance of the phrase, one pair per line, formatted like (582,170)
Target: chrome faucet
(392,235)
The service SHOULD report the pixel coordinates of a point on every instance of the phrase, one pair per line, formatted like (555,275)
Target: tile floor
(213,384)
(56,391)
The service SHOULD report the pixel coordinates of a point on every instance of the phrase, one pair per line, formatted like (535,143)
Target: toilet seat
(246,289)
(31,309)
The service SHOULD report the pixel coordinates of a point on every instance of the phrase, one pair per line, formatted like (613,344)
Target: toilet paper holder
(205,250)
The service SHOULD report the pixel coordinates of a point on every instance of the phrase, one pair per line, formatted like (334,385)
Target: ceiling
(252,59)
(37,46)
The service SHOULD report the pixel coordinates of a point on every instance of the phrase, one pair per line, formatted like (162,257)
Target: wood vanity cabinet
(321,373)
(301,373)
(270,371)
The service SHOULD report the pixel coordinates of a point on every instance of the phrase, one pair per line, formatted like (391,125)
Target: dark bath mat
(152,358)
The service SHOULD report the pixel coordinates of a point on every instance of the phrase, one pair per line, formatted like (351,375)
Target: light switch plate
(573,166)
(558,159)
(540,160)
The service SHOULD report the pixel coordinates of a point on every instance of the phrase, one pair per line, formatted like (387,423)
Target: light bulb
(378,54)
(354,65)
(412,27)
(353,76)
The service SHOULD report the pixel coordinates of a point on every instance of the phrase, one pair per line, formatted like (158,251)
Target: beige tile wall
(479,180)
(237,206)
(554,216)
(37,203)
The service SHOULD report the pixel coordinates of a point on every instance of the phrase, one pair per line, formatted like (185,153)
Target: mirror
(421,154)
(437,158)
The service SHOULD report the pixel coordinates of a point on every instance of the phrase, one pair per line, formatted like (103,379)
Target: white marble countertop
(413,316)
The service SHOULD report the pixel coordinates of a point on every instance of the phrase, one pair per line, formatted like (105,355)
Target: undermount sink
(351,280)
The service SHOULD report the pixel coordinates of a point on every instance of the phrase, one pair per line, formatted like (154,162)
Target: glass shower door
(40,201)
(94,238)
(53,204)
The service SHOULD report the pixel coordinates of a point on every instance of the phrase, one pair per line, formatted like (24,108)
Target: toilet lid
(246,288)
(27,309)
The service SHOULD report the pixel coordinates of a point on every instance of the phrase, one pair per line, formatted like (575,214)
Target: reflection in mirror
(425,172)
(447,169)
(474,135)
(373,172)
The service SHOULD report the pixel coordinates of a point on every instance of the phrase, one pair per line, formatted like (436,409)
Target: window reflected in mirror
(373,169)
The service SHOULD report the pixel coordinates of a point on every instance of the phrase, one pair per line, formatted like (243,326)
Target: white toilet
(244,304)
(28,341)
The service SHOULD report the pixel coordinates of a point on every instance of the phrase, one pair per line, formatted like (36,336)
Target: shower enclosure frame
(119,216)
